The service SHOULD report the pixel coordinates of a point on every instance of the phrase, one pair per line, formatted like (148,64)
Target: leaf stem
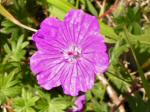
(140,71)
(6,14)
(111,92)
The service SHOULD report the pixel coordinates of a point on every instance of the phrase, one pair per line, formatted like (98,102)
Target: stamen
(72,54)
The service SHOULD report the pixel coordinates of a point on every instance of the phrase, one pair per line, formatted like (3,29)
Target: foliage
(8,87)
(16,51)
(18,84)
(25,103)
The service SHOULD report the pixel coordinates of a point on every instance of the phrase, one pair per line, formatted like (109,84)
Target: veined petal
(52,77)
(102,62)
(48,36)
(78,77)
(94,50)
(48,29)
(87,75)
(82,24)
(40,61)
(94,41)
(69,81)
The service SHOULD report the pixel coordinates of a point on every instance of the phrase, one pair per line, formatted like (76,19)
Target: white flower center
(72,54)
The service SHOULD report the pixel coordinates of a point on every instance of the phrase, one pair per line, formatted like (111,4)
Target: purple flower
(70,53)
(79,104)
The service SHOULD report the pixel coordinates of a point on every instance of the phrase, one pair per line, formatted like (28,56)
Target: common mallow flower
(69,53)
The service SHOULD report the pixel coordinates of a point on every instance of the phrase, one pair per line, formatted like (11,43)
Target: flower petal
(87,75)
(52,78)
(93,43)
(69,81)
(78,77)
(48,29)
(94,50)
(48,36)
(81,24)
(102,62)
(80,102)
(41,61)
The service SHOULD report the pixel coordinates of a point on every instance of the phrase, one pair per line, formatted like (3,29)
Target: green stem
(140,71)
(6,14)
(77,3)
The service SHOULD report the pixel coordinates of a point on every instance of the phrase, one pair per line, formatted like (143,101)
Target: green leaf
(144,38)
(109,33)
(58,104)
(120,79)
(99,91)
(10,28)
(52,104)
(117,73)
(61,4)
(119,49)
(16,51)
(91,8)
(136,28)
(8,86)
(26,102)
(136,104)
(57,12)
(95,106)
(83,2)
(142,42)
